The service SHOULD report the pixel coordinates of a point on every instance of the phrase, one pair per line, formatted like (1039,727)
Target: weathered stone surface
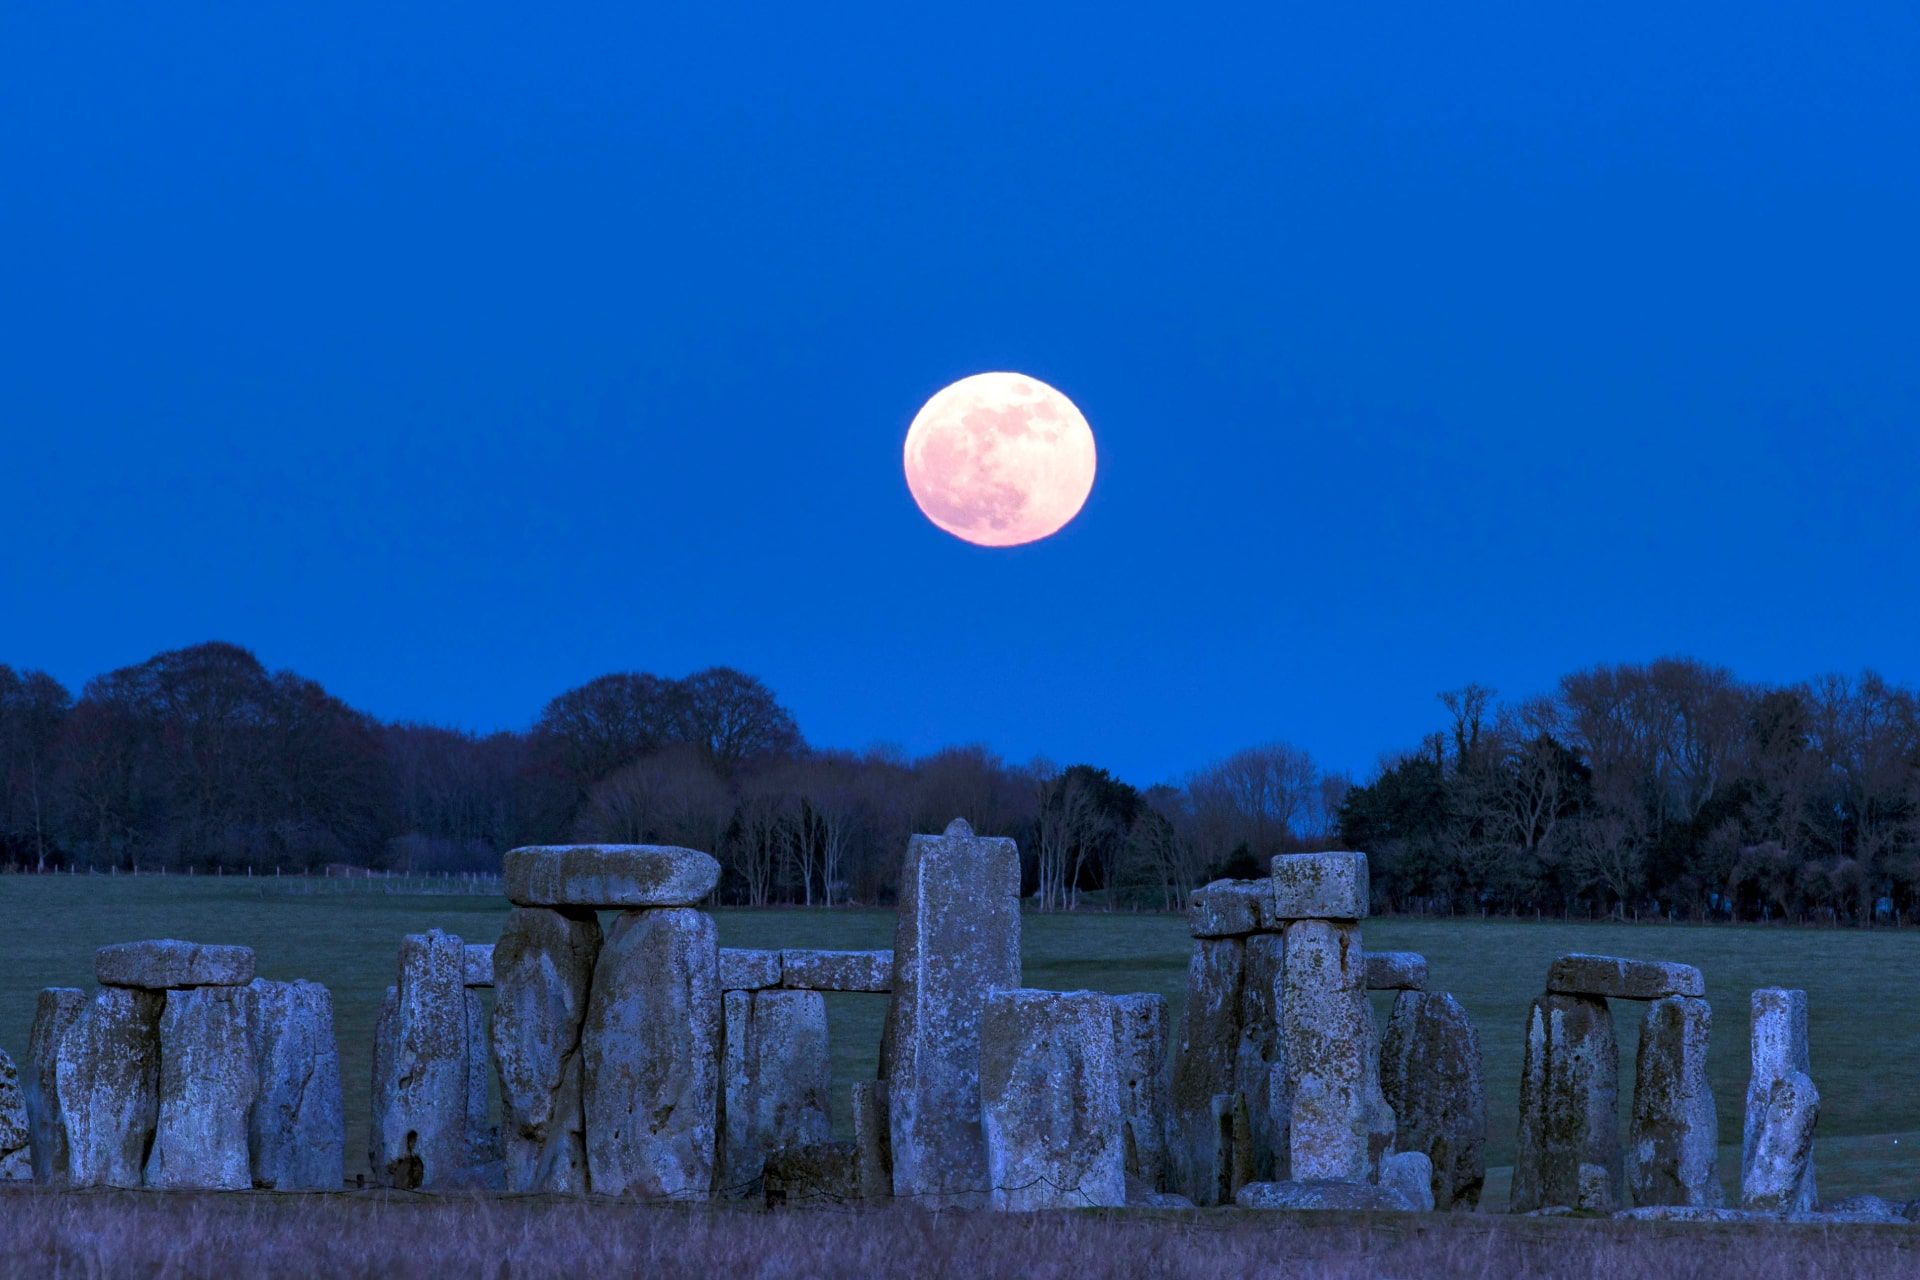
(543,968)
(1320,886)
(1777,1174)
(1260,1060)
(1320,1194)
(1140,1067)
(107,1077)
(165,963)
(1674,1143)
(608,875)
(651,1053)
(209,1078)
(1779,1051)
(1431,1072)
(743,970)
(775,1075)
(1381,1123)
(1205,1065)
(956,938)
(477,962)
(1049,1101)
(1232,909)
(1691,1213)
(822,1171)
(1326,1027)
(421,1073)
(870,1139)
(53,1013)
(485,1162)
(1853,1209)
(296,1132)
(1411,1174)
(1612,978)
(837,970)
(16,1153)
(1569,1099)
(1396,971)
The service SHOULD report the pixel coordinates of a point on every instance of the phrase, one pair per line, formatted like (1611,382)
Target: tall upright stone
(54,1012)
(1205,1067)
(421,1069)
(296,1132)
(1049,1101)
(107,1077)
(1568,1151)
(1432,1074)
(775,1077)
(650,1050)
(542,971)
(1326,1026)
(1140,1066)
(16,1143)
(484,1165)
(1673,1146)
(1260,1061)
(209,1078)
(872,1144)
(1783,1178)
(956,938)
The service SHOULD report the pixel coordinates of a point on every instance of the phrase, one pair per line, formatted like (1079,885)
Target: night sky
(453,355)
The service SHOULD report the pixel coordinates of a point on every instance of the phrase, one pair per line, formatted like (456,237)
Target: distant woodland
(1667,789)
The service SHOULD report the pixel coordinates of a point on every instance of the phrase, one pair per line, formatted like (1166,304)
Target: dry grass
(112,1234)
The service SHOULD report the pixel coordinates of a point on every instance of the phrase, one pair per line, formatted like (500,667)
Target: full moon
(999,459)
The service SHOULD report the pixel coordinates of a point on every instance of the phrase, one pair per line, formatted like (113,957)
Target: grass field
(1865,1000)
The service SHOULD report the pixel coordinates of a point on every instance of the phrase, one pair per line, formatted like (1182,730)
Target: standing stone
(1779,1047)
(1673,1151)
(53,1013)
(650,1051)
(1140,1066)
(1431,1073)
(1260,1060)
(296,1134)
(775,1078)
(1049,1101)
(870,1140)
(209,1078)
(543,968)
(1411,1174)
(485,1164)
(1205,1065)
(16,1144)
(1326,1028)
(107,1077)
(1569,1108)
(956,937)
(421,1068)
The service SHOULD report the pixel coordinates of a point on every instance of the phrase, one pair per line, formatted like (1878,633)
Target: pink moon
(998,459)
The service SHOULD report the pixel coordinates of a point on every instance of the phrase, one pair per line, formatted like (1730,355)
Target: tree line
(1667,788)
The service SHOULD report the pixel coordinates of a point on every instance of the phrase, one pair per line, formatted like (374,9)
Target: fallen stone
(742,970)
(477,964)
(1144,1199)
(1860,1209)
(1674,1143)
(1396,971)
(421,1071)
(53,1013)
(167,963)
(1569,1118)
(1432,1076)
(956,938)
(1775,1176)
(1260,1060)
(775,1075)
(870,1139)
(1322,1194)
(1049,1101)
(209,1078)
(1326,1029)
(608,875)
(1320,886)
(16,1143)
(543,968)
(811,1172)
(1205,1065)
(1411,1174)
(107,1077)
(1612,978)
(1691,1213)
(1232,909)
(296,1132)
(1139,1065)
(651,1057)
(837,970)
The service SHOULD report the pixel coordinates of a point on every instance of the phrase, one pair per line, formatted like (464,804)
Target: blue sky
(455,356)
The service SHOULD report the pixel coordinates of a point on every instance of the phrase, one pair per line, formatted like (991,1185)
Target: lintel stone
(1320,886)
(1612,978)
(608,875)
(837,970)
(1232,909)
(1396,971)
(477,960)
(742,969)
(162,964)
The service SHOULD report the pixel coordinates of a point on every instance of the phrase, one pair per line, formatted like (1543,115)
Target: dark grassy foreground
(110,1234)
